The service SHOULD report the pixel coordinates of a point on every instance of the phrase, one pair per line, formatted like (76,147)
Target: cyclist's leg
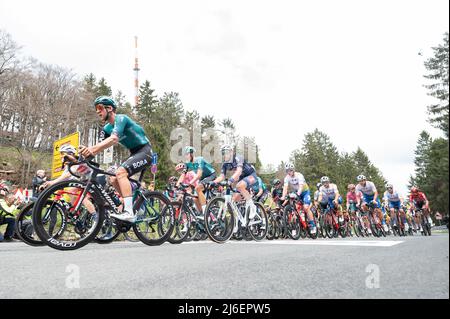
(137,162)
(242,186)
(200,202)
(395,221)
(305,197)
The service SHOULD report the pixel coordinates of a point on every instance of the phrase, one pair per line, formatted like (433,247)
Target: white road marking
(366,243)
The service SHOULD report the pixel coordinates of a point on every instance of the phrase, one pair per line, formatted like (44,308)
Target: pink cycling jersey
(354,196)
(188,177)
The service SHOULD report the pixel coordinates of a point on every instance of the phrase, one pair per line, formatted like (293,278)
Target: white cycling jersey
(391,197)
(369,189)
(328,192)
(295,182)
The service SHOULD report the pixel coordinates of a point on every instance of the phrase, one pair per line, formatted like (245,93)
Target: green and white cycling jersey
(200,163)
(130,134)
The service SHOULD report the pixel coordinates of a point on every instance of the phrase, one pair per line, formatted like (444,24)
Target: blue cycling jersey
(238,161)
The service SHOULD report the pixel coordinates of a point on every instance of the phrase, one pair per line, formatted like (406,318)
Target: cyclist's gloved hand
(212,184)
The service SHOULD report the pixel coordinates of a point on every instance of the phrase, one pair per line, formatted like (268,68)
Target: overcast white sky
(279,69)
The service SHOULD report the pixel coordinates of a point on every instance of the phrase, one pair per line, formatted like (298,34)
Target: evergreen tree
(421,159)
(148,102)
(438,67)
(103,88)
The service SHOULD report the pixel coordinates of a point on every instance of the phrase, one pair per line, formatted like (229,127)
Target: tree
(421,159)
(436,184)
(208,121)
(318,157)
(103,88)
(438,67)
(160,145)
(147,102)
(123,106)
(169,113)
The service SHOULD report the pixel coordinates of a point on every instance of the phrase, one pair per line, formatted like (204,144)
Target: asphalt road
(410,267)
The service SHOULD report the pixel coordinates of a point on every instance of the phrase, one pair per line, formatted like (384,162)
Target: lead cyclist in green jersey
(121,129)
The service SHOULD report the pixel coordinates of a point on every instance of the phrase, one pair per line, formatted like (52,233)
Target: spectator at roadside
(4,188)
(38,180)
(8,209)
(151,187)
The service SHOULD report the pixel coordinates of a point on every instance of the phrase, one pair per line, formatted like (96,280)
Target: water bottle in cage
(115,198)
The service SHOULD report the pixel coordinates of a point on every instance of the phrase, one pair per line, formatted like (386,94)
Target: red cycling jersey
(417,197)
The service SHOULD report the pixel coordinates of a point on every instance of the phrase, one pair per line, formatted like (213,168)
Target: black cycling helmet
(276,182)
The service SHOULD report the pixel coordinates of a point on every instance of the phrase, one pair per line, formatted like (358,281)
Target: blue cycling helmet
(105,100)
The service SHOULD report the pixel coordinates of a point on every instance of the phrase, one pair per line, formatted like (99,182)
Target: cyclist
(68,155)
(370,195)
(121,129)
(169,192)
(394,201)
(260,191)
(329,196)
(296,181)
(353,198)
(244,175)
(277,190)
(185,176)
(316,195)
(418,200)
(204,174)
(410,215)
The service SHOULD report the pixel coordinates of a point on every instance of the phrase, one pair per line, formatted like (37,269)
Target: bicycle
(292,218)
(398,227)
(304,223)
(152,210)
(331,224)
(375,222)
(223,216)
(426,226)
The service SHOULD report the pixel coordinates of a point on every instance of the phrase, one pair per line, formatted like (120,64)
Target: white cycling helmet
(289,166)
(67,148)
(360,178)
(226,147)
(389,185)
(325,179)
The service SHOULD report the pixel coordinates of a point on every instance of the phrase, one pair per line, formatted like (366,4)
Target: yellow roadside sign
(72,139)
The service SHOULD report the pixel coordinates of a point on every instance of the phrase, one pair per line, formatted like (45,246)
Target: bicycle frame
(106,199)
(236,211)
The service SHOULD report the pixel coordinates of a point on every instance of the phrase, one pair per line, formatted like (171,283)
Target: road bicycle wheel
(219,220)
(292,222)
(182,224)
(24,227)
(330,231)
(154,218)
(61,206)
(373,226)
(271,226)
(109,231)
(257,227)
